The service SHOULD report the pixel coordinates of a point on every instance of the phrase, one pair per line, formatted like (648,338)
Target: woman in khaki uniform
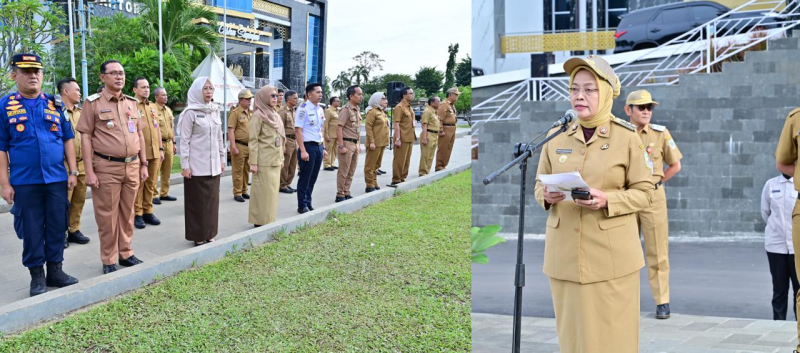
(592,249)
(267,142)
(377,128)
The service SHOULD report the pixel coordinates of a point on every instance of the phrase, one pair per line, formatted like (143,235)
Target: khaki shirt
(584,245)
(74,116)
(377,128)
(266,145)
(658,143)
(447,113)
(331,122)
(151,131)
(350,121)
(287,115)
(114,124)
(166,121)
(430,117)
(239,120)
(787,150)
(404,116)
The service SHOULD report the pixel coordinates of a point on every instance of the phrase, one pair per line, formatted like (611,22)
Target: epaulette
(659,128)
(93,97)
(57,102)
(130,97)
(303,105)
(793,112)
(626,124)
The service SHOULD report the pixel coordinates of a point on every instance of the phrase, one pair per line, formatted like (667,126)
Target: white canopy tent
(213,67)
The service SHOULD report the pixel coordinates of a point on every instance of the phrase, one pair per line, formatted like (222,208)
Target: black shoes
(156,201)
(77,237)
(394,184)
(286,190)
(131,261)
(38,285)
(168,198)
(329,169)
(302,210)
(369,190)
(339,199)
(380,172)
(138,222)
(56,277)
(335,168)
(310,208)
(662,311)
(238,198)
(109,268)
(66,242)
(246,196)
(291,188)
(347,197)
(150,219)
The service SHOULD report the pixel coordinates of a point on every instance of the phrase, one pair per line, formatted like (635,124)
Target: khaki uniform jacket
(430,117)
(114,124)
(350,121)
(377,128)
(239,120)
(331,122)
(661,147)
(447,113)
(152,142)
(287,115)
(789,146)
(74,115)
(266,144)
(404,116)
(584,245)
(166,121)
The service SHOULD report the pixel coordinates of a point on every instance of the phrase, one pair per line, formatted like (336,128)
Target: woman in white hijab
(203,159)
(267,143)
(377,127)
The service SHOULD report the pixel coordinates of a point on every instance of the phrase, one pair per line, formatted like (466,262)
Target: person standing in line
(377,128)
(429,137)
(239,137)
(448,116)
(308,130)
(203,158)
(404,137)
(290,149)
(71,97)
(155,154)
(267,141)
(331,122)
(348,134)
(777,200)
(166,121)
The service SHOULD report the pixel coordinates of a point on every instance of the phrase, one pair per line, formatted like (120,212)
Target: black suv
(651,27)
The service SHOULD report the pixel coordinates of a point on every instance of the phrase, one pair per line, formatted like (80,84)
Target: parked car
(653,26)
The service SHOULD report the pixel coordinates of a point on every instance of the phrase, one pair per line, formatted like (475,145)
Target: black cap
(24,61)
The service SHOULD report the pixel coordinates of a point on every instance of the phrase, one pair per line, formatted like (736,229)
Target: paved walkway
(83,261)
(680,333)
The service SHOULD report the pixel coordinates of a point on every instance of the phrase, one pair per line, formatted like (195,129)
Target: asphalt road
(728,279)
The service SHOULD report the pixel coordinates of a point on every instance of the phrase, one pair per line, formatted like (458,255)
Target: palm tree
(341,82)
(181,26)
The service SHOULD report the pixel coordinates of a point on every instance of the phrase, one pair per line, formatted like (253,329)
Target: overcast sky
(407,34)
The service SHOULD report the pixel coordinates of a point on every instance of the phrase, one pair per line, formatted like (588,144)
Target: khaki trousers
(113,207)
(600,317)
(289,163)
(372,164)
(446,143)
(147,188)
(77,198)
(331,147)
(241,169)
(655,228)
(348,162)
(166,168)
(427,153)
(401,161)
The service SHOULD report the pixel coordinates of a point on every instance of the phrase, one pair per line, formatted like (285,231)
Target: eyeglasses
(586,91)
(273,95)
(115,73)
(644,107)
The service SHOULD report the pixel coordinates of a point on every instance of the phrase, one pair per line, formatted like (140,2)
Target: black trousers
(781,266)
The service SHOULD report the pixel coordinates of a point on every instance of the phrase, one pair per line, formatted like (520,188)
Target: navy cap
(24,61)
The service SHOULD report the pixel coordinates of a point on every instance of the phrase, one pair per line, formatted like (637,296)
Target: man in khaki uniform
(239,138)
(70,96)
(290,150)
(166,122)
(111,128)
(653,220)
(348,134)
(786,163)
(404,137)
(154,151)
(429,137)
(329,131)
(447,137)
(280,98)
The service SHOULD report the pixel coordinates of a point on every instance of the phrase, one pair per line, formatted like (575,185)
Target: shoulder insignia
(625,124)
(795,111)
(659,128)
(93,97)
(130,97)
(57,102)
(303,105)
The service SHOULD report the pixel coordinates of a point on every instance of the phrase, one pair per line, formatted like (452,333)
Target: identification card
(131,126)
(277,141)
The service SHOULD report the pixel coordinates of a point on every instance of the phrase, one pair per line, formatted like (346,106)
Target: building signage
(240,32)
(125,6)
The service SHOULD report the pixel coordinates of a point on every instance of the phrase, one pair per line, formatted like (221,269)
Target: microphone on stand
(568,117)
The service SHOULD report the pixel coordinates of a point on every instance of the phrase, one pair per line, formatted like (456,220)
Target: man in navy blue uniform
(35,138)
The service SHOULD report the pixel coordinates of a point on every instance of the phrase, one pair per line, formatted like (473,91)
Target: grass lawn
(395,276)
(176,165)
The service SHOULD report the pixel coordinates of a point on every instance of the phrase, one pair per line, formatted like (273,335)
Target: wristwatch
(161,148)
(144,163)
(74,172)
(341,146)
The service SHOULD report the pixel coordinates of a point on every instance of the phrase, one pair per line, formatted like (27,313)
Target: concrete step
(792,43)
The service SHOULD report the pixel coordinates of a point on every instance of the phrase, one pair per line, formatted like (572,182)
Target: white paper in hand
(564,182)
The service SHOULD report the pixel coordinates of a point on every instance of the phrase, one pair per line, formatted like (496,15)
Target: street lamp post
(71,40)
(84,71)
(160,49)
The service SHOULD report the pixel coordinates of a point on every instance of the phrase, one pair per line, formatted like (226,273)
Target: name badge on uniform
(155,123)
(131,126)
(278,141)
(105,110)
(563,151)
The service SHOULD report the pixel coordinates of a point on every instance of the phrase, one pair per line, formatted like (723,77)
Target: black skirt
(201,207)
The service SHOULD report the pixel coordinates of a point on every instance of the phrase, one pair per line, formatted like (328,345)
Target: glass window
(705,13)
(613,17)
(278,58)
(561,5)
(313,50)
(562,22)
(617,4)
(238,5)
(680,14)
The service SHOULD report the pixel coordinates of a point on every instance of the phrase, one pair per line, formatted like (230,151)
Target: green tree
(449,79)
(366,63)
(429,80)
(341,82)
(378,83)
(144,62)
(326,88)
(180,26)
(464,72)
(464,102)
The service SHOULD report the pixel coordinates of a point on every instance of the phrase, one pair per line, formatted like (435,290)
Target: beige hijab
(267,113)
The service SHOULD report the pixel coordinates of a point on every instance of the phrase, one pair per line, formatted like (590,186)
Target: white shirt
(310,117)
(777,202)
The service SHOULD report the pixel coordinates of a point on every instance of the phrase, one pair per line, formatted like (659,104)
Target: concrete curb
(55,304)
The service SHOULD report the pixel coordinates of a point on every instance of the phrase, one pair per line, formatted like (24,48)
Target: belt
(290,136)
(167,140)
(449,124)
(433,131)
(350,140)
(659,184)
(242,142)
(313,143)
(117,159)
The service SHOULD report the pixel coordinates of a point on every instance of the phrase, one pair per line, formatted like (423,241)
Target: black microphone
(568,117)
